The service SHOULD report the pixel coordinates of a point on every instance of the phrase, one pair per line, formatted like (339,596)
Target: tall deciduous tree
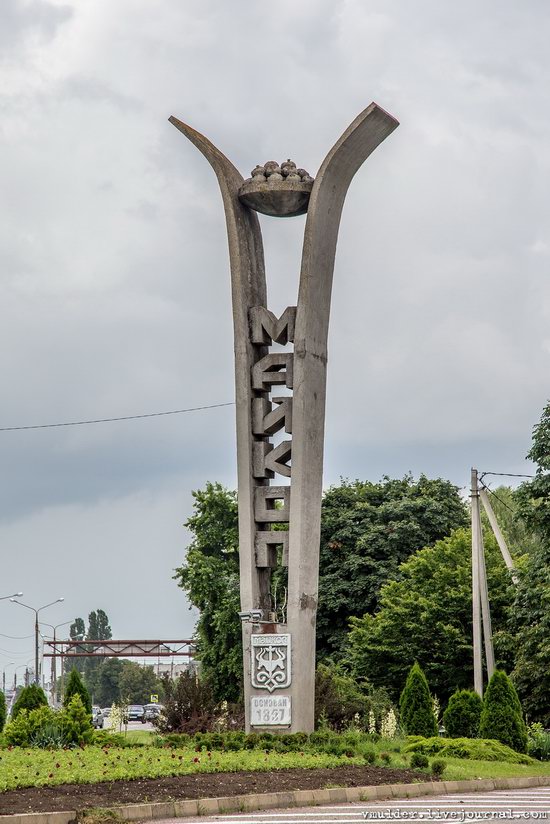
(426,616)
(530,621)
(99,629)
(210,578)
(367,531)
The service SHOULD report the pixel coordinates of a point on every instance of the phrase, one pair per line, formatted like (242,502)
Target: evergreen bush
(75,686)
(501,716)
(462,716)
(416,705)
(77,722)
(30,698)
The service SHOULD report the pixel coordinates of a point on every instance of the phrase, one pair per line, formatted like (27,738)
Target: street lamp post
(54,658)
(9,597)
(36,611)
(4,676)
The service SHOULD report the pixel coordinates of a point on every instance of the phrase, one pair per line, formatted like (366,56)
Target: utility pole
(485,608)
(476,596)
(508,560)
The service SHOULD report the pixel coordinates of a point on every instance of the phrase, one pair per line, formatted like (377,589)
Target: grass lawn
(30,767)
(27,767)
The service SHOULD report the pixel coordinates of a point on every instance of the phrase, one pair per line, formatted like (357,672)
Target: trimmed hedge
(416,705)
(501,717)
(476,749)
(463,714)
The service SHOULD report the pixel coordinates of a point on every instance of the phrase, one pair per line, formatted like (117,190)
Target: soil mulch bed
(201,785)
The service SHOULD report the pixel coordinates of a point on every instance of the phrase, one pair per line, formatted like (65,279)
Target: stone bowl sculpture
(278,191)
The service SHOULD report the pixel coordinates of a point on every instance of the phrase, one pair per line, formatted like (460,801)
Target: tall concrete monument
(280,375)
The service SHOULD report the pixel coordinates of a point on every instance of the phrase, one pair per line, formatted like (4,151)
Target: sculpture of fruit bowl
(279,191)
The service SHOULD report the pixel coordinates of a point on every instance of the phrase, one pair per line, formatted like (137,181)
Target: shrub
(29,699)
(77,722)
(75,686)
(338,699)
(462,716)
(438,767)
(18,731)
(478,749)
(538,745)
(369,756)
(385,757)
(189,705)
(416,705)
(501,716)
(2,711)
(419,761)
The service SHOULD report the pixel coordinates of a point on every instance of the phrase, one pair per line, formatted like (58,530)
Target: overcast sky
(115,290)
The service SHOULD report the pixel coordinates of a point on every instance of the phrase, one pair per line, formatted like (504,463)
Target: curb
(297,798)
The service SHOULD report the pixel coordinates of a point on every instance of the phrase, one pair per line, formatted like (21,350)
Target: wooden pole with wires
(476,595)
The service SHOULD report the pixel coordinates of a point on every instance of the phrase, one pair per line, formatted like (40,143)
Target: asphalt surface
(501,805)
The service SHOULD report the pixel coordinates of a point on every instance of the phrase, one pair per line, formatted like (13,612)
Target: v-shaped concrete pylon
(290,642)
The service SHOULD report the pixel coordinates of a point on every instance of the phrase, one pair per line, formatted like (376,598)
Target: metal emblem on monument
(271,661)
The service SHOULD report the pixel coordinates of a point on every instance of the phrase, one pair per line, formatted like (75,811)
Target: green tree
(75,686)
(210,578)
(137,684)
(367,531)
(463,713)
(501,716)
(338,698)
(77,723)
(2,710)
(530,614)
(29,699)
(77,632)
(426,616)
(107,685)
(99,629)
(416,705)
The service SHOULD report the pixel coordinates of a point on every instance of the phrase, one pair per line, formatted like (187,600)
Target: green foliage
(501,716)
(426,616)
(29,698)
(416,705)
(367,530)
(77,724)
(107,682)
(17,732)
(419,761)
(463,713)
(189,705)
(538,744)
(438,767)
(476,749)
(75,686)
(136,683)
(210,579)
(27,727)
(99,629)
(3,711)
(338,698)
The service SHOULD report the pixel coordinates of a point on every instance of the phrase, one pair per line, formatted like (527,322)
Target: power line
(494,494)
(110,420)
(16,637)
(507,475)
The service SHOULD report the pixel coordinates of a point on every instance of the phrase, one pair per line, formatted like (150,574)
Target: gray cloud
(115,284)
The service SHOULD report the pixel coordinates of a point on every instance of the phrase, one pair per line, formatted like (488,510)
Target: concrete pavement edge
(297,798)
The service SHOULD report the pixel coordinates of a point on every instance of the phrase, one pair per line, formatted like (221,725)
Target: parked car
(136,712)
(152,711)
(106,712)
(97,718)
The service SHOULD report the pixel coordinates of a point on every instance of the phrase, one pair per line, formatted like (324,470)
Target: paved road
(521,805)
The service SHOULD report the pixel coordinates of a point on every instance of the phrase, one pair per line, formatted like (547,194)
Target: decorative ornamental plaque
(270,710)
(271,661)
